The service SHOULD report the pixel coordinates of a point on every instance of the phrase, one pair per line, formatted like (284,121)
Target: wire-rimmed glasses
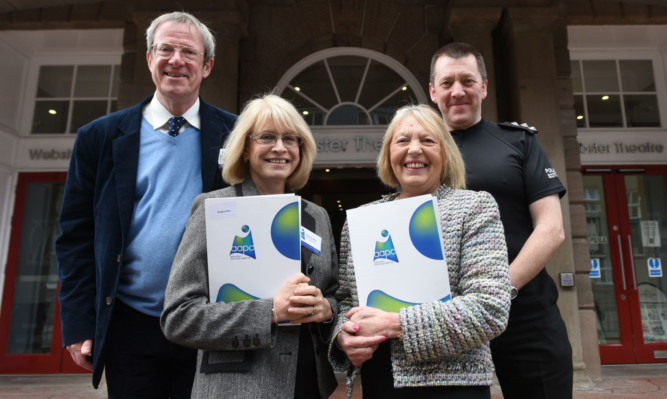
(268,138)
(166,50)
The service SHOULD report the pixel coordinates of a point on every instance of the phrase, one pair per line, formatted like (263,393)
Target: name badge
(221,158)
(311,240)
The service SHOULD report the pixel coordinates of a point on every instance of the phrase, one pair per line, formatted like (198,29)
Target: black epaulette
(516,125)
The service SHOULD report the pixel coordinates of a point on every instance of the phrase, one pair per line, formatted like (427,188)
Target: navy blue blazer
(97,211)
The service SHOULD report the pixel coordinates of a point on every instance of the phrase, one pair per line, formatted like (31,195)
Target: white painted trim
(33,78)
(624,43)
(390,62)
(659,73)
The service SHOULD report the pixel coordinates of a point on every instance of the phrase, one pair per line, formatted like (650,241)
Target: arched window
(349,86)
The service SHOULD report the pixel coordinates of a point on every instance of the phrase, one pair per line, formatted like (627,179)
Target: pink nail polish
(355,327)
(384,339)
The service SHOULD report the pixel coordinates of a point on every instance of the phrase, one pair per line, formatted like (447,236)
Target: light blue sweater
(168,180)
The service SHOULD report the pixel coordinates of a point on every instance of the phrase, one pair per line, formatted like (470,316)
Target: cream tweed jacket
(445,343)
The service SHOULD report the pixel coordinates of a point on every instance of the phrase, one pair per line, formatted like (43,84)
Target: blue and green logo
(243,247)
(285,231)
(381,300)
(424,232)
(231,293)
(384,250)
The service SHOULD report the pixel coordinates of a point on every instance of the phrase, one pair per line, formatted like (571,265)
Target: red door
(626,210)
(30,337)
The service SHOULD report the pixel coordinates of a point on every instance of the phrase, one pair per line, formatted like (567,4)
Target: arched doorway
(347,95)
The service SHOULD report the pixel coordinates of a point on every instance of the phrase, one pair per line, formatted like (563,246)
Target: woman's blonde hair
(256,113)
(453,169)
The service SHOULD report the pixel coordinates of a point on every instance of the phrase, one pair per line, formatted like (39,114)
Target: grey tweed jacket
(446,343)
(241,353)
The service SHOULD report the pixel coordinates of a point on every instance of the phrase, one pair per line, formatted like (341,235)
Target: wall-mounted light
(305,112)
(297,88)
(605,98)
(580,117)
(52,111)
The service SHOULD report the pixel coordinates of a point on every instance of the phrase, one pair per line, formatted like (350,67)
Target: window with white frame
(347,86)
(615,93)
(69,96)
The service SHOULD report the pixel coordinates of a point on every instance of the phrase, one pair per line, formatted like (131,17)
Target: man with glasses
(131,181)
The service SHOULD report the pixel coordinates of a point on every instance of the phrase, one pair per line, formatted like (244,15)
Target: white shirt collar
(158,116)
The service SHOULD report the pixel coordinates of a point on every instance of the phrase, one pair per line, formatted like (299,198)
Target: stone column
(527,41)
(130,61)
(475,25)
(221,87)
(575,187)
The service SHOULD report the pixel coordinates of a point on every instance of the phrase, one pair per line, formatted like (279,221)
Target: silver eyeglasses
(166,50)
(268,138)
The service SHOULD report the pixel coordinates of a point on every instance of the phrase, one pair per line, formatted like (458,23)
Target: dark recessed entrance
(341,189)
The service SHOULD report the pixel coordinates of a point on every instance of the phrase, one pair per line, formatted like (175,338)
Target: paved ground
(642,381)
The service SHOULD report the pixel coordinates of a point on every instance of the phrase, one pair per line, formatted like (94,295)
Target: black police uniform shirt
(508,161)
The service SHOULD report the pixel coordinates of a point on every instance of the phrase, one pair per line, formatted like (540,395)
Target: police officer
(533,357)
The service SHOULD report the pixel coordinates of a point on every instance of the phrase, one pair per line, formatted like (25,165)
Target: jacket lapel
(247,188)
(125,150)
(211,133)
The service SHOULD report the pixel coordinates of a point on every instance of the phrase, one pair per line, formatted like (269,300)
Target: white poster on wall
(650,233)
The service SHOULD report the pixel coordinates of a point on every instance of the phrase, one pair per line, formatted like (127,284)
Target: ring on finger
(313,312)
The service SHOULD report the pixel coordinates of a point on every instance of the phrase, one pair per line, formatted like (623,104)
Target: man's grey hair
(191,21)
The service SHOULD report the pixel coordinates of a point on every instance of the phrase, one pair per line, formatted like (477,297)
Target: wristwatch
(513,292)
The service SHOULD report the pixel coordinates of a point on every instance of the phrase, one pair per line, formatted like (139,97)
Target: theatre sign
(357,146)
(623,148)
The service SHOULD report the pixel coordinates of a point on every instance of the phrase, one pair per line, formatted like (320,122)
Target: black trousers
(141,363)
(534,360)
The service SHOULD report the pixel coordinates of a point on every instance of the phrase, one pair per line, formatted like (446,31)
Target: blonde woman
(242,353)
(438,349)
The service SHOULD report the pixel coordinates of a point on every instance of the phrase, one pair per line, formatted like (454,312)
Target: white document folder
(398,253)
(253,245)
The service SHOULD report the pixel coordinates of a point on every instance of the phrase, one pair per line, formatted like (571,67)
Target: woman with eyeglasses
(242,351)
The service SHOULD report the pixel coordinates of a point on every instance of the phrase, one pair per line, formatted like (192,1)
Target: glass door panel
(647,210)
(36,283)
(602,276)
(30,336)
